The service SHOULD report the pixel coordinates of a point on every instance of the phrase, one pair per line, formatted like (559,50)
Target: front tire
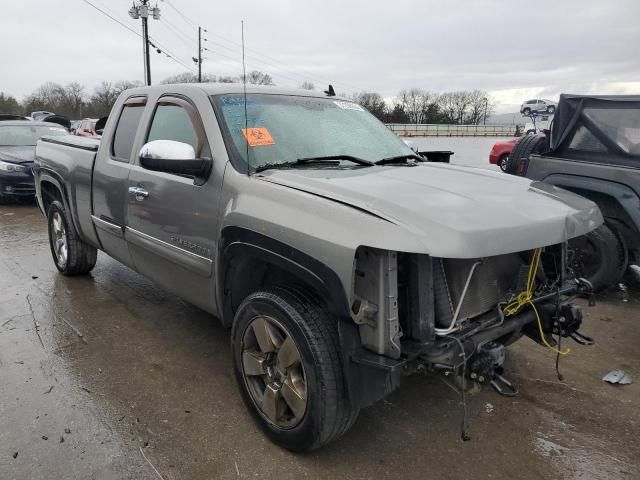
(526,111)
(71,255)
(503,162)
(288,365)
(551,109)
(599,256)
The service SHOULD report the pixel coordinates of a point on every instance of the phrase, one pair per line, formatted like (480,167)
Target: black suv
(593,149)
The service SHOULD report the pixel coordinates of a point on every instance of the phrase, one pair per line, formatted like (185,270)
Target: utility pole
(145,43)
(142,10)
(486,106)
(199,54)
(198,59)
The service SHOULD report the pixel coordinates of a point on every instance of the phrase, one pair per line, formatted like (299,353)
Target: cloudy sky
(513,49)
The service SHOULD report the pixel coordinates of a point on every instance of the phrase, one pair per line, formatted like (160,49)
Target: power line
(308,75)
(181,36)
(157,45)
(168,53)
(184,17)
(284,67)
(113,18)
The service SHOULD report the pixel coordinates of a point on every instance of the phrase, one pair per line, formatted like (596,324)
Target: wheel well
(244,275)
(50,193)
(614,214)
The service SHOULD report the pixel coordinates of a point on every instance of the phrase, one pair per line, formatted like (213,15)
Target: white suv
(538,105)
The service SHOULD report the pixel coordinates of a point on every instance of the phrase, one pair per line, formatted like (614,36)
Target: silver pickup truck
(339,258)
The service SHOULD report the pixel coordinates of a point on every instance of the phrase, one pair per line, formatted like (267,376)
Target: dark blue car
(17,152)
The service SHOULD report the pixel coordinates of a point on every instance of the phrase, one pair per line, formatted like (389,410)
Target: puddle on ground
(583,456)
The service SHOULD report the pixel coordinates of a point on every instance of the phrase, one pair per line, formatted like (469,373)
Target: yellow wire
(526,298)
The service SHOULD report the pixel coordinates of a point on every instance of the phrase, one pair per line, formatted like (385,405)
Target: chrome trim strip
(189,260)
(108,227)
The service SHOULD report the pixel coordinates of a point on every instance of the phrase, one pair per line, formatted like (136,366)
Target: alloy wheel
(504,163)
(59,239)
(273,372)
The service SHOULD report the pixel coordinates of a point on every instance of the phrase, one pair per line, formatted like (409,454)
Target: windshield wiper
(400,159)
(330,160)
(350,158)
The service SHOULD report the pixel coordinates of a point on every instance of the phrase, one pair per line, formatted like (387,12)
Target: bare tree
(307,86)
(228,79)
(46,97)
(411,101)
(9,105)
(123,85)
(72,100)
(419,105)
(104,96)
(189,77)
(257,77)
(481,107)
(446,103)
(461,100)
(372,102)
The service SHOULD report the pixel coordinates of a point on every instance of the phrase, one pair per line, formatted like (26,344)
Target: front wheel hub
(273,372)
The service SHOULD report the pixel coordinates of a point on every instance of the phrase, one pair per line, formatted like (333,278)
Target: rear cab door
(172,229)
(111,177)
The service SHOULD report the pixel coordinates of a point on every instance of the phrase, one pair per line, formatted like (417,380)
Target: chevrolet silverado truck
(340,260)
(593,149)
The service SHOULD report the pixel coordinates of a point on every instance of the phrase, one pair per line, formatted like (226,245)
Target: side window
(174,122)
(126,130)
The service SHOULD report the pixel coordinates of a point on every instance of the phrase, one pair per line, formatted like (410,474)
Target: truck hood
(455,212)
(18,154)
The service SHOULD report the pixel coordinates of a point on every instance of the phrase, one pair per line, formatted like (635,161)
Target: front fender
(624,195)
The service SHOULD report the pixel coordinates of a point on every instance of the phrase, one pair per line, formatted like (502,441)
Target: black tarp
(602,129)
(59,119)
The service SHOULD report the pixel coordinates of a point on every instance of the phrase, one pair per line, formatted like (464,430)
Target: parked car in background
(7,116)
(18,140)
(340,264)
(594,150)
(538,105)
(39,115)
(500,151)
(86,127)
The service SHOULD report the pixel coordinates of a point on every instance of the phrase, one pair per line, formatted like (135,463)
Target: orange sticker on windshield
(258,137)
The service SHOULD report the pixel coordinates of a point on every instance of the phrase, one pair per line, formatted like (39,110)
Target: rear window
(126,132)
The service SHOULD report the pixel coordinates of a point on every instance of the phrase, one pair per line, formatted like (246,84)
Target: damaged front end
(455,316)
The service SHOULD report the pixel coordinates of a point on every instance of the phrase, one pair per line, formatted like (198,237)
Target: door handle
(139,192)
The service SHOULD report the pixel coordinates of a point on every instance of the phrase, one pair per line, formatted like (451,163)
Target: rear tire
(71,255)
(551,109)
(526,111)
(599,256)
(527,145)
(291,318)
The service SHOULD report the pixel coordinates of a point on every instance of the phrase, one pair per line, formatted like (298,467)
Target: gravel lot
(109,377)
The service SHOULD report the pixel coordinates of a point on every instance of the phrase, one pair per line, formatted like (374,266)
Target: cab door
(110,180)
(171,218)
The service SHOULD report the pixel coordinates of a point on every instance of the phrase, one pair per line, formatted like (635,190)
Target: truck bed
(68,162)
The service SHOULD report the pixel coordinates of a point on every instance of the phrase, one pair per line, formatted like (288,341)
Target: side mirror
(170,156)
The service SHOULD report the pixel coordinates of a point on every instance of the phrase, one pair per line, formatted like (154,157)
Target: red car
(500,152)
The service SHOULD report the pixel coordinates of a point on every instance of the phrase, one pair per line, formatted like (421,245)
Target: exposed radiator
(492,281)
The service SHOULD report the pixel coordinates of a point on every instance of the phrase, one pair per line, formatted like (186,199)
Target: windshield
(284,128)
(26,135)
